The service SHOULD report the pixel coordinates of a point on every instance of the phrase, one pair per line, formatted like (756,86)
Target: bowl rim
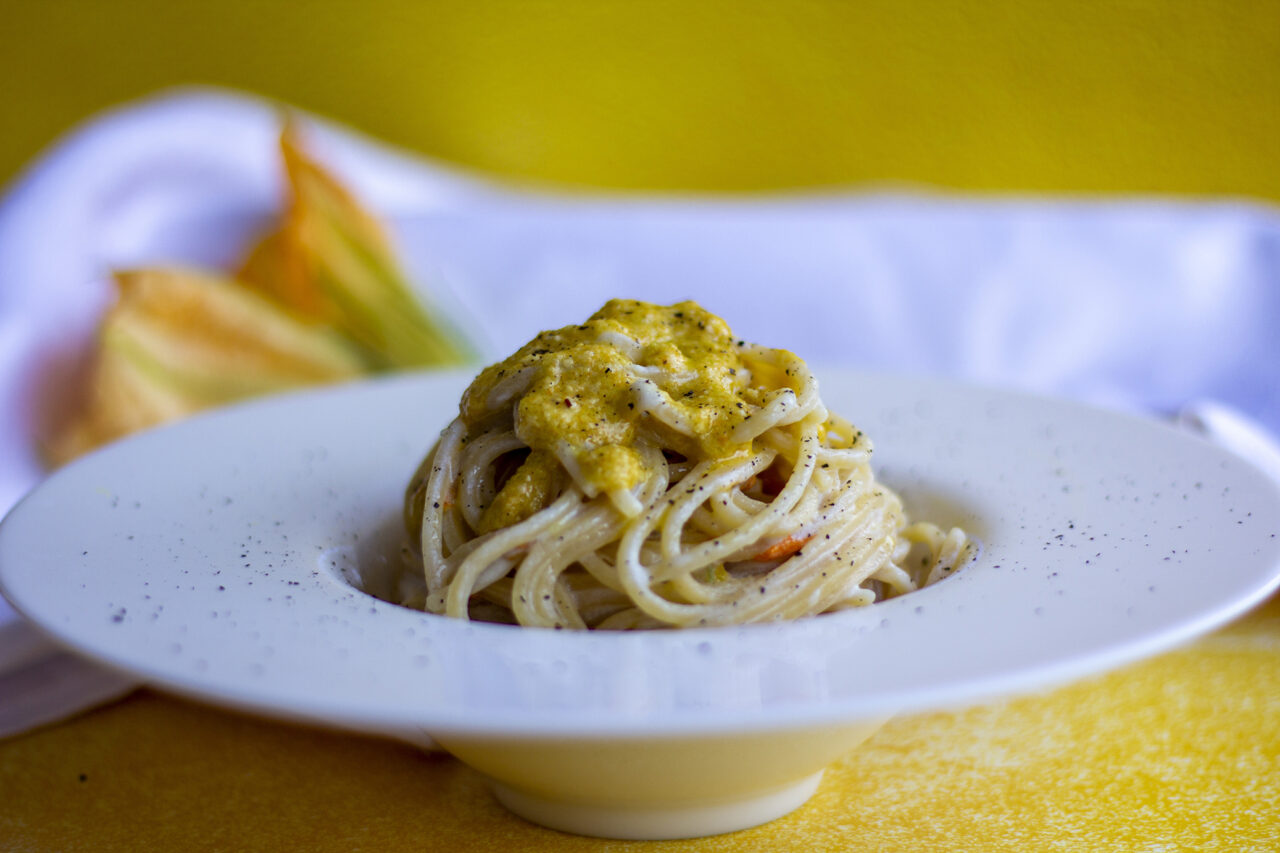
(771,667)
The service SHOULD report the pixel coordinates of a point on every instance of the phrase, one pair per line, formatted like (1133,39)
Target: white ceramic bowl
(231,558)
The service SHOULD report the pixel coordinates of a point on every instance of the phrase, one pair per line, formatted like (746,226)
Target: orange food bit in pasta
(784,548)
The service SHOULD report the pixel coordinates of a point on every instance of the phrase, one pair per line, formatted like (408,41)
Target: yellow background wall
(1140,96)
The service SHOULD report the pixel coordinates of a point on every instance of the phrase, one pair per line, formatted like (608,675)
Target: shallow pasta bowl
(239,558)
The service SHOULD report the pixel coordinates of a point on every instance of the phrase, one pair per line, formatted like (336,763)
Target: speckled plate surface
(214,558)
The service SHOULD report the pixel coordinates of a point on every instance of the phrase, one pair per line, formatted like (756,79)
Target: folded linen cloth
(1154,306)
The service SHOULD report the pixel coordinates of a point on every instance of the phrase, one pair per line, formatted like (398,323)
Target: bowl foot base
(655,822)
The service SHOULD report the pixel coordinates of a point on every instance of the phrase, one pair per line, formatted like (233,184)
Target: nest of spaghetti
(647,469)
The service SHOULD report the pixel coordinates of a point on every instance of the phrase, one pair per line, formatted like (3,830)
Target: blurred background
(1129,97)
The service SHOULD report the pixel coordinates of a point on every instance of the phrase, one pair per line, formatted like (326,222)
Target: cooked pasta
(647,469)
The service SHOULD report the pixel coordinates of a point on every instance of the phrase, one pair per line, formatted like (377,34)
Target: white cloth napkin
(1156,306)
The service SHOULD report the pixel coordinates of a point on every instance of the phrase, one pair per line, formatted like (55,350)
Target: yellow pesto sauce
(583,396)
(533,485)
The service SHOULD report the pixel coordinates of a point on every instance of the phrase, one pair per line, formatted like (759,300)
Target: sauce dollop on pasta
(646,468)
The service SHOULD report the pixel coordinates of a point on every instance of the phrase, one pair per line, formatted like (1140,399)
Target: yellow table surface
(1180,752)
